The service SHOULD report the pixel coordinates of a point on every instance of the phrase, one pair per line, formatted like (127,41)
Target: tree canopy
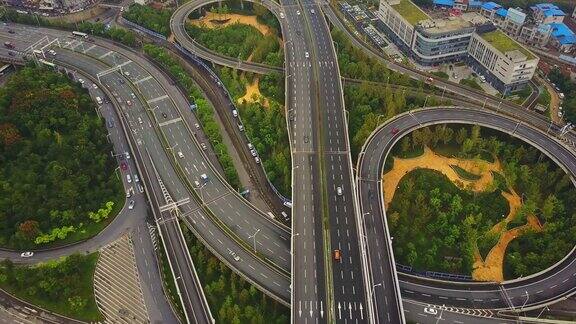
(55,163)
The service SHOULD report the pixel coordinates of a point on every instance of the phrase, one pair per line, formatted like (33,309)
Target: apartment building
(513,22)
(506,64)
(536,35)
(547,13)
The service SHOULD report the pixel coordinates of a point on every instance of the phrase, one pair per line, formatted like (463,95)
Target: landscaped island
(57,179)
(477,202)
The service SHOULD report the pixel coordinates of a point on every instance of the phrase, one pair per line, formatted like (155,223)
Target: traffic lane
(424,313)
(236,257)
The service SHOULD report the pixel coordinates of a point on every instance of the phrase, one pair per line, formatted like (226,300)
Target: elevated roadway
(523,294)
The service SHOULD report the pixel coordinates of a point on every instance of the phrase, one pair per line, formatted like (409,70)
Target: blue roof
(502,12)
(474,3)
(544,6)
(554,12)
(563,34)
(491,6)
(448,3)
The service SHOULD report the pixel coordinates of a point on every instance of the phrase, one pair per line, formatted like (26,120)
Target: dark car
(394,131)
(124,166)
(164,115)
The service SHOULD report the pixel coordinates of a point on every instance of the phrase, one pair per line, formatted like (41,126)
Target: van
(99,100)
(288,204)
(204,177)
(128,178)
(234,112)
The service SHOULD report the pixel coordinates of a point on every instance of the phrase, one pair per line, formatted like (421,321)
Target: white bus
(47,63)
(80,34)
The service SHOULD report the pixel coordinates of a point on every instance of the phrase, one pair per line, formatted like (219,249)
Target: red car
(394,131)
(124,166)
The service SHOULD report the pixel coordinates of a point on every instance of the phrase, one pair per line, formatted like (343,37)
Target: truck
(8,45)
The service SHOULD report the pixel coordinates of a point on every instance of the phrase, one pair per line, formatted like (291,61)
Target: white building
(506,64)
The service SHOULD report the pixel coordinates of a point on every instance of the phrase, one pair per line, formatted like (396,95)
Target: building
(506,64)
(535,35)
(512,24)
(562,37)
(574,13)
(547,13)
(489,9)
(428,41)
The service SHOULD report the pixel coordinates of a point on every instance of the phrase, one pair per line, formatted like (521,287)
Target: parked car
(26,254)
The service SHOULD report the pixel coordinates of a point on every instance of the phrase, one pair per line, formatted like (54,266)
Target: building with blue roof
(444,3)
(562,37)
(502,12)
(547,13)
(489,9)
(475,4)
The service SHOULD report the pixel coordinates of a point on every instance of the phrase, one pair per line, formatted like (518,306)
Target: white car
(131,204)
(52,52)
(306,54)
(257,159)
(430,310)
(339,191)
(203,146)
(197,126)
(298,12)
(81,81)
(282,15)
(250,146)
(180,154)
(312,11)
(94,86)
(253,152)
(26,254)
(126,73)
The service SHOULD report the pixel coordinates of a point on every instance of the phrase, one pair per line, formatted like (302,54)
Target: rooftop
(502,12)
(455,23)
(409,11)
(504,44)
(563,33)
(553,12)
(448,3)
(491,6)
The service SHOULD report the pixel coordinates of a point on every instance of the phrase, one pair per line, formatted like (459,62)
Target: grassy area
(465,174)
(504,44)
(441,75)
(411,12)
(471,83)
(65,286)
(544,98)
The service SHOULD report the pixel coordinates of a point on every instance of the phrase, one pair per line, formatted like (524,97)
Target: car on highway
(429,80)
(140,120)
(306,54)
(203,146)
(257,159)
(282,15)
(121,81)
(430,310)
(136,178)
(394,131)
(164,115)
(129,103)
(128,178)
(131,204)
(81,81)
(132,95)
(298,12)
(250,146)
(241,127)
(337,255)
(180,154)
(10,53)
(127,155)
(197,126)
(129,193)
(253,152)
(26,254)
(140,188)
(339,191)
(123,166)
(126,73)
(312,11)
(234,112)
(52,52)
(94,86)
(204,177)
(111,123)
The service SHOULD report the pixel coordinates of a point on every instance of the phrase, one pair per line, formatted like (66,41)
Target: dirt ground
(213,20)
(490,269)
(431,160)
(253,94)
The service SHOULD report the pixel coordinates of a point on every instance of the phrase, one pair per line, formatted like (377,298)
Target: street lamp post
(254,237)
(526,301)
